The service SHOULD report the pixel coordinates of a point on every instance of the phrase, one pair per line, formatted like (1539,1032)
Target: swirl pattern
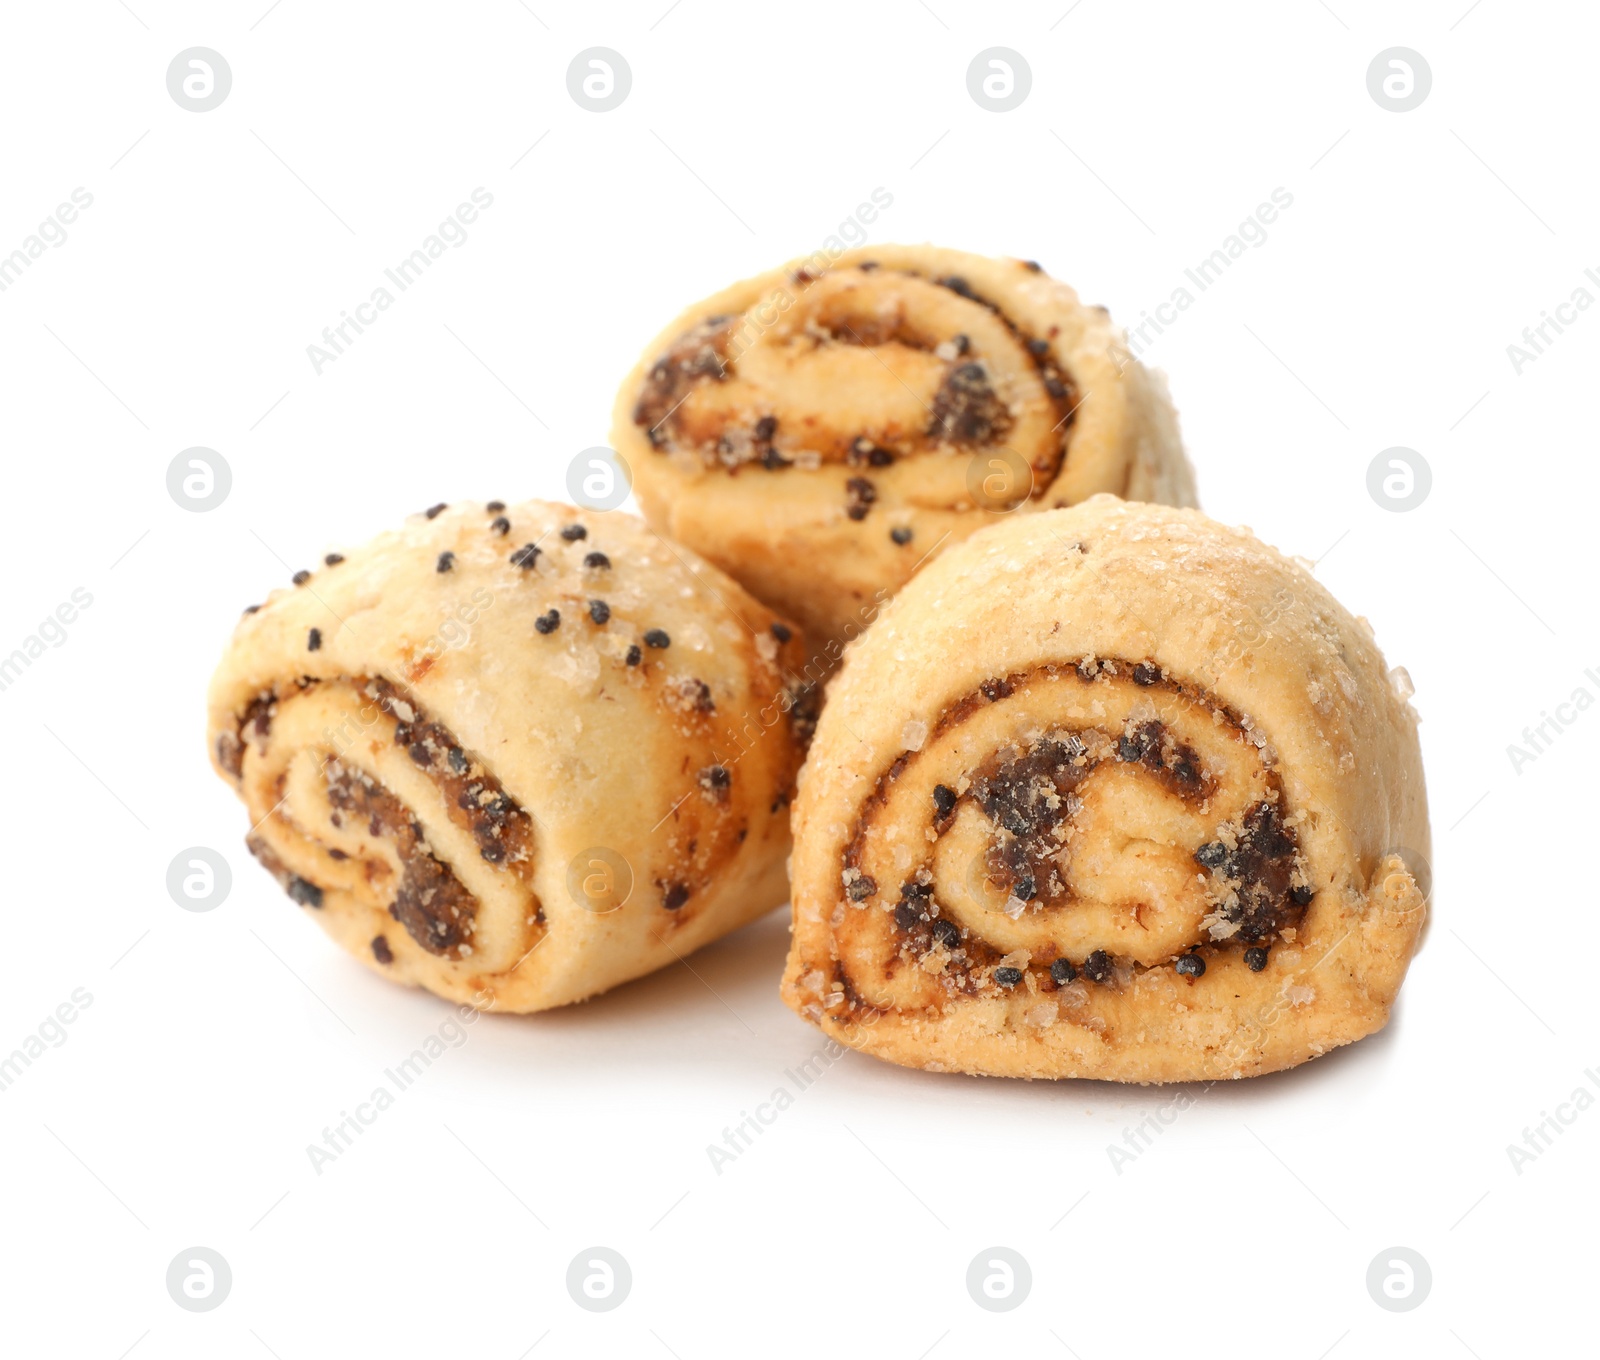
(843,424)
(1115,823)
(345,819)
(1094,843)
(515,755)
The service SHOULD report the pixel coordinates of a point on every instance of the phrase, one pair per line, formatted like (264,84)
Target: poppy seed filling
(438,912)
(967,410)
(1027,793)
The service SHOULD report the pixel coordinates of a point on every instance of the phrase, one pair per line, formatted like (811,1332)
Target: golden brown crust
(786,426)
(434,732)
(1080,767)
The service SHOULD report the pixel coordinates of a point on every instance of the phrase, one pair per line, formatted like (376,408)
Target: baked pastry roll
(515,755)
(819,435)
(1112,792)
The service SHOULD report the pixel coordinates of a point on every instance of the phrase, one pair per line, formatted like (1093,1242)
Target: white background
(219,1045)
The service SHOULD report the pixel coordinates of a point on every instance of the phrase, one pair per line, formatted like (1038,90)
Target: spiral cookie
(1113,792)
(820,436)
(515,755)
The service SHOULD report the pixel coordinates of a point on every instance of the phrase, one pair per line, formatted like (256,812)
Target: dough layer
(821,436)
(1111,791)
(515,755)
